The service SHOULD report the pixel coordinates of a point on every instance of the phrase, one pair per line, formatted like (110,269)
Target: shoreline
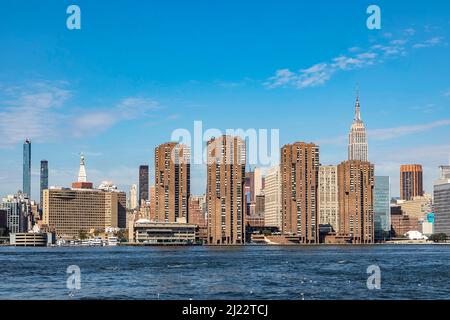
(395,243)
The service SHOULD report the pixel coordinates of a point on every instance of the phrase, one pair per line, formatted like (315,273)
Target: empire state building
(357,138)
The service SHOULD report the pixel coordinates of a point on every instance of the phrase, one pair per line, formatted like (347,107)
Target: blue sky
(137,70)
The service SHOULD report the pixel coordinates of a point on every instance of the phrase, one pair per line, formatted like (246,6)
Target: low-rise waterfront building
(159,233)
(31,239)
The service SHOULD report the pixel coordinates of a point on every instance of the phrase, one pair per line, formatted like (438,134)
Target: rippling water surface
(250,272)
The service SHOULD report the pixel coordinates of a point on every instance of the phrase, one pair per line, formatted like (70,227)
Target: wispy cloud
(447,93)
(40,111)
(31,111)
(356,58)
(100,120)
(389,133)
(432,42)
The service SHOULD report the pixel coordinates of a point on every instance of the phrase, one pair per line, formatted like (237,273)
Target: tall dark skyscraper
(44,178)
(27,168)
(143,183)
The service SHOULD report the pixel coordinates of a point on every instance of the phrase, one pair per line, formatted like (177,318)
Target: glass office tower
(382,210)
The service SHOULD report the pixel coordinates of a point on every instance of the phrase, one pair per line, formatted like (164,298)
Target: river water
(238,273)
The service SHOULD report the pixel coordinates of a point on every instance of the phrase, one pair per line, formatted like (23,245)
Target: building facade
(143,183)
(43,179)
(442,206)
(356,215)
(71,211)
(157,233)
(382,207)
(172,182)
(411,181)
(299,187)
(328,196)
(133,197)
(226,159)
(418,206)
(272,205)
(444,172)
(357,138)
(18,212)
(197,211)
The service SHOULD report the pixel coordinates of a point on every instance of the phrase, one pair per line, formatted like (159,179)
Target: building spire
(357,106)
(82,173)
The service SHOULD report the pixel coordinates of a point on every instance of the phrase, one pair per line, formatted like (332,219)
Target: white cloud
(31,111)
(319,73)
(100,120)
(432,42)
(389,133)
(40,111)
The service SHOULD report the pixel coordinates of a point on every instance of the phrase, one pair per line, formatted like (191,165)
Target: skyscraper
(355,185)
(357,139)
(43,179)
(257,183)
(226,158)
(143,183)
(411,181)
(272,206)
(299,176)
(27,168)
(328,196)
(442,202)
(382,207)
(172,182)
(18,209)
(133,197)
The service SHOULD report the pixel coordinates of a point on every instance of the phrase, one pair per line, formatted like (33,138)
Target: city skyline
(145,92)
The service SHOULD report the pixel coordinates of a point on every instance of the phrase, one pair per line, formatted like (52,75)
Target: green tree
(122,235)
(82,234)
(438,237)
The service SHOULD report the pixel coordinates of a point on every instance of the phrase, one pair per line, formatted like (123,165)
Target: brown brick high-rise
(355,185)
(172,182)
(299,184)
(411,181)
(225,190)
